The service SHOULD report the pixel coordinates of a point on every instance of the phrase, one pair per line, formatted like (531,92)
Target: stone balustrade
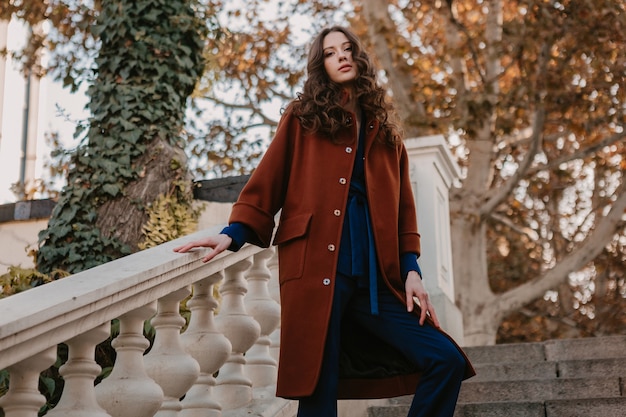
(237,338)
(176,378)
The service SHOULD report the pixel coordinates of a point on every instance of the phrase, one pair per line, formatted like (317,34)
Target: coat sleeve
(408,236)
(263,195)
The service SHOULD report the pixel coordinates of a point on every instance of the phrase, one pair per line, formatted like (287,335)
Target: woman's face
(338,61)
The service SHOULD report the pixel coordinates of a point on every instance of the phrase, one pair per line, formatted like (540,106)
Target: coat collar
(371,126)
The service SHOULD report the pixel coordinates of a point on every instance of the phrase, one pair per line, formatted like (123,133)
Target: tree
(131,160)
(538,106)
(128,184)
(149,62)
(68,39)
(255,64)
(531,96)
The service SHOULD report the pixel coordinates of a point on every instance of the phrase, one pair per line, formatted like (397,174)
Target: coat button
(348,149)
(331,247)
(326,281)
(342,181)
(337,213)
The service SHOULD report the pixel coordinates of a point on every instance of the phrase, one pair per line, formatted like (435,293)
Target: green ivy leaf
(111,189)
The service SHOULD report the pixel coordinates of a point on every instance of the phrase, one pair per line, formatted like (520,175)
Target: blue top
(357,249)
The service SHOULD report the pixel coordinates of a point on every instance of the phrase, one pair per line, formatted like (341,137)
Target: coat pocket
(291,239)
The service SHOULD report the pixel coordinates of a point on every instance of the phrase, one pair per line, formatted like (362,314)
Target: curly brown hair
(319,106)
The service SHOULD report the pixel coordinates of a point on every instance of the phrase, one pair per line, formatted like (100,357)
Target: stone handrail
(148,285)
(240,342)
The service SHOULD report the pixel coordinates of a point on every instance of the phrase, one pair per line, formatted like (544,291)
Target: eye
(328,53)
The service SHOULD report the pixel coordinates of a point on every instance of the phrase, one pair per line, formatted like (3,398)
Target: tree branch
(452,12)
(496,195)
(527,231)
(586,252)
(248,106)
(280,95)
(582,153)
(382,29)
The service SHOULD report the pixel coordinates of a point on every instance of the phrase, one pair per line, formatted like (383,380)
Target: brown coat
(308,176)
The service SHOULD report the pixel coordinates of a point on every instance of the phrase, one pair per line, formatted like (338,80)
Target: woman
(348,246)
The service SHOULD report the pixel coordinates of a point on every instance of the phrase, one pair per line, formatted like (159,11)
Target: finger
(409,302)
(216,251)
(184,248)
(212,254)
(433,316)
(423,313)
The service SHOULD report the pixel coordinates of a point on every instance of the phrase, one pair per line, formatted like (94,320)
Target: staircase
(556,378)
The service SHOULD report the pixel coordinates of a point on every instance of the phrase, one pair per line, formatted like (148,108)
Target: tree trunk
(384,36)
(123,218)
(473,295)
(148,64)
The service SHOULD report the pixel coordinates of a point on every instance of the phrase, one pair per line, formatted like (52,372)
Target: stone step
(501,409)
(551,350)
(586,348)
(507,353)
(515,371)
(594,407)
(539,389)
(400,410)
(592,368)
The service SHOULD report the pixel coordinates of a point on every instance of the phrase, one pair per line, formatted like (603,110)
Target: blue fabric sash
(363,245)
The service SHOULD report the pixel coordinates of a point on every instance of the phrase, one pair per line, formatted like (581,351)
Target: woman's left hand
(416,294)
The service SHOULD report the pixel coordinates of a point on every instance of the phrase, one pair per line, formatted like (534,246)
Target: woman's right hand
(218,243)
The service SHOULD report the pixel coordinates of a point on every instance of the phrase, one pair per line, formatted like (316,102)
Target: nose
(342,55)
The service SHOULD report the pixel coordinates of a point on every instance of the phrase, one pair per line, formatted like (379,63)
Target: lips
(346,67)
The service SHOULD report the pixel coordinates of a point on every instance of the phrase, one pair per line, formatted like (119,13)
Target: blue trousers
(441,363)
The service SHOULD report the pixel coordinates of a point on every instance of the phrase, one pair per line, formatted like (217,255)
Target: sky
(52,95)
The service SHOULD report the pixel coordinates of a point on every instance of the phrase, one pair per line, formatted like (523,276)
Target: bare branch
(248,106)
(456,62)
(582,153)
(586,252)
(280,95)
(527,231)
(496,195)
(470,44)
(383,33)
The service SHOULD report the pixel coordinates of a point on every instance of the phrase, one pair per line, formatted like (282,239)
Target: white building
(24,123)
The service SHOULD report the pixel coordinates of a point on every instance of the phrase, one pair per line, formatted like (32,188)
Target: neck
(350,102)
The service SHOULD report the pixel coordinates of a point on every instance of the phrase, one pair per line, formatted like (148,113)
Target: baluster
(79,372)
(208,346)
(274,289)
(261,366)
(167,362)
(234,388)
(23,398)
(129,391)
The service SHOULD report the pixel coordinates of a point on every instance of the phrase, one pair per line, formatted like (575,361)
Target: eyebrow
(343,44)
